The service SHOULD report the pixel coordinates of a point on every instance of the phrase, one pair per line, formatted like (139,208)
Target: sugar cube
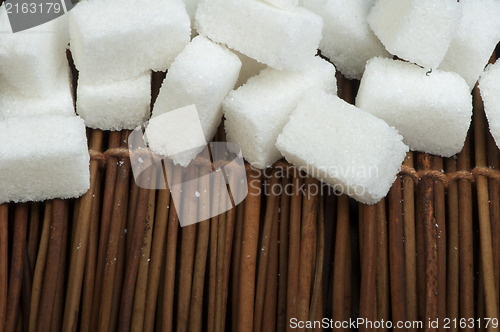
(257,112)
(43,158)
(114,105)
(176,134)
(202,74)
(121,39)
(431,108)
(475,39)
(282,39)
(30,59)
(347,39)
(59,101)
(249,68)
(335,142)
(489,85)
(419,31)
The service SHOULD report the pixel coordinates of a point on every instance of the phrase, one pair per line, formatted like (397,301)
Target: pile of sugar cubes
(255,64)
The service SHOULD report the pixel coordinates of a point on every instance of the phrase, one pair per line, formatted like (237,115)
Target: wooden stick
(271,206)
(17,265)
(26,285)
(230,219)
(271,295)
(47,299)
(238,234)
(339,263)
(397,253)
(212,279)
(249,252)
(466,237)
(40,267)
(170,263)
(484,212)
(294,249)
(139,305)
(369,245)
(316,312)
(33,233)
(79,246)
(382,273)
(90,264)
(283,253)
(132,265)
(159,235)
(440,209)
(426,198)
(105,223)
(307,246)
(4,227)
(409,243)
(452,269)
(221,248)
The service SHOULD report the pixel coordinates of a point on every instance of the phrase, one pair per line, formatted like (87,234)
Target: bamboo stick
(249,252)
(33,233)
(484,212)
(238,234)
(79,246)
(382,273)
(316,312)
(17,265)
(219,269)
(283,253)
(4,227)
(231,217)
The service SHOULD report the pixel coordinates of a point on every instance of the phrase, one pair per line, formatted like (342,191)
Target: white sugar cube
(351,150)
(282,39)
(115,105)
(257,112)
(30,59)
(121,39)
(202,74)
(419,31)
(431,109)
(176,134)
(43,158)
(489,85)
(475,40)
(285,4)
(58,101)
(347,39)
(249,68)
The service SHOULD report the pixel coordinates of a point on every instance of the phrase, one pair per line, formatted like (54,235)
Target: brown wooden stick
(132,265)
(368,270)
(397,253)
(452,269)
(16,267)
(484,212)
(188,245)
(341,249)
(294,249)
(105,225)
(33,233)
(79,246)
(466,235)
(139,305)
(272,201)
(426,198)
(212,280)
(53,265)
(26,286)
(90,264)
(249,252)
(271,295)
(283,253)
(409,243)
(231,217)
(382,273)
(316,312)
(196,310)
(40,267)
(170,264)
(238,234)
(307,246)
(440,209)
(161,220)
(348,282)
(4,227)
(221,244)
(494,192)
